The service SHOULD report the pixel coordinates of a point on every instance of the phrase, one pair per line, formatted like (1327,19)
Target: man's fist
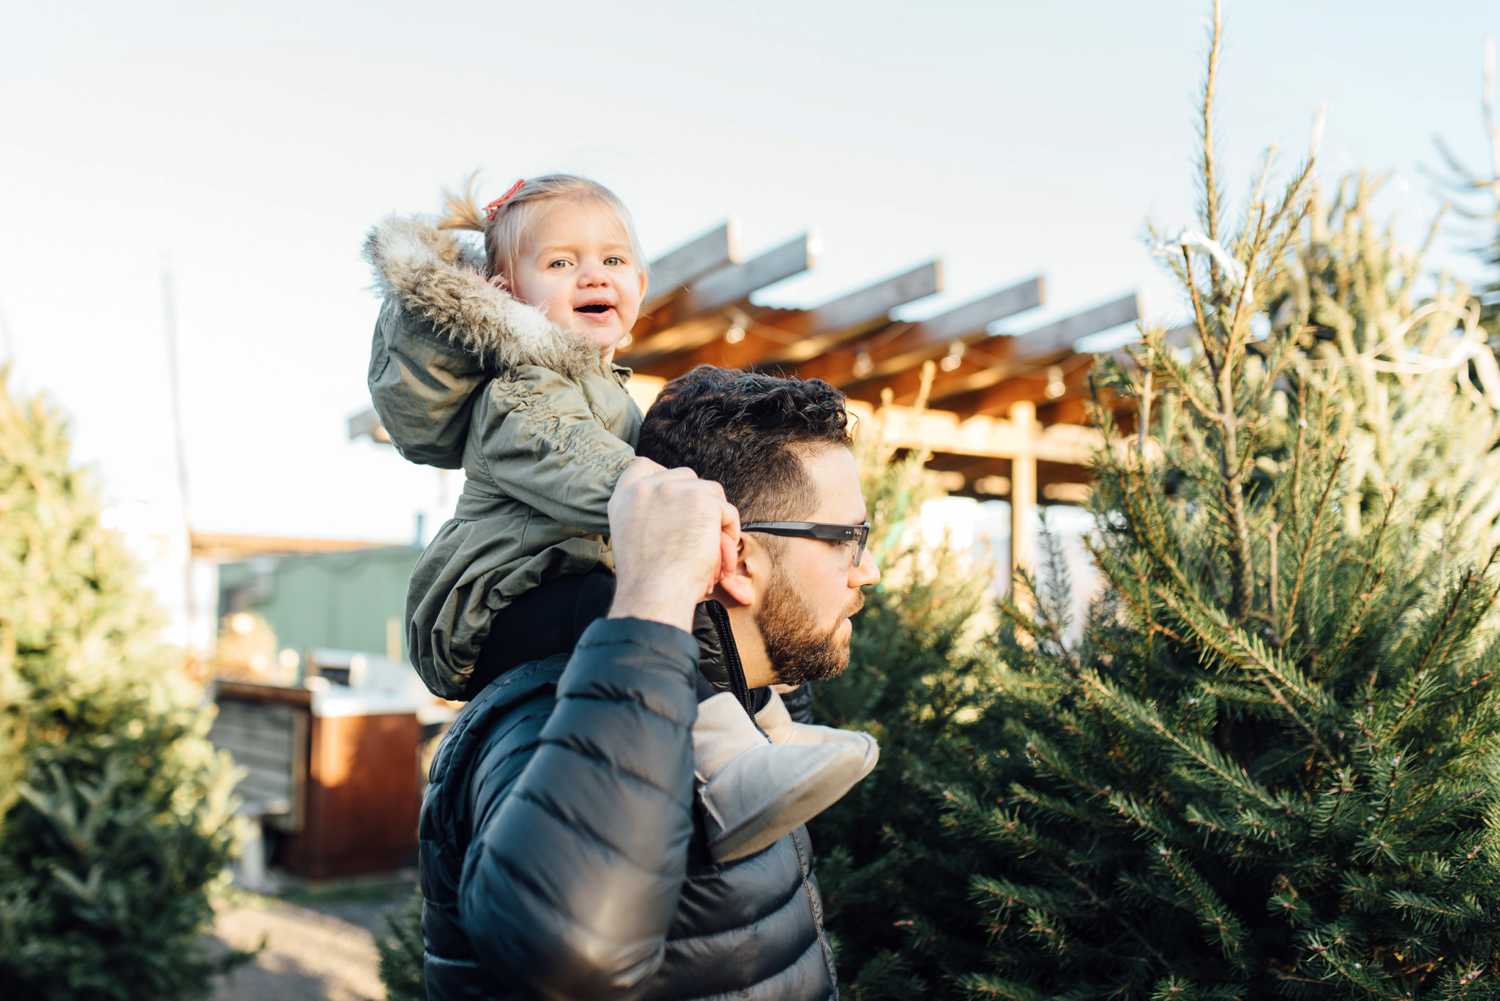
(673,535)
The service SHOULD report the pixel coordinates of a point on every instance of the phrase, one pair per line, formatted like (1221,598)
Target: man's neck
(751,647)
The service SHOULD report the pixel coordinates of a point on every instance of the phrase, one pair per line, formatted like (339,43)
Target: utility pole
(7,345)
(169,328)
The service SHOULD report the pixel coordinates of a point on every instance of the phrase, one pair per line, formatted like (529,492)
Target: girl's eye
(560,261)
(614,260)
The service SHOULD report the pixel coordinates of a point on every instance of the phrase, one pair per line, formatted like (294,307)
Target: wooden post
(1022,495)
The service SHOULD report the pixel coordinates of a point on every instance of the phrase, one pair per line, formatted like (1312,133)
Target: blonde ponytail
(461,209)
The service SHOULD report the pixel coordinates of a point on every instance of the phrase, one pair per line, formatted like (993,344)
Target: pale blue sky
(252,150)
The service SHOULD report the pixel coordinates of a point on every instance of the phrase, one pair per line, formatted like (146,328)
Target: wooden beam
(905,345)
(871,303)
(970,467)
(783,338)
(1045,343)
(990,479)
(1038,387)
(992,437)
(1001,357)
(225,546)
(1070,410)
(655,336)
(674,271)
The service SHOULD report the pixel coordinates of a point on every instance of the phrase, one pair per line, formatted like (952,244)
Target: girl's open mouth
(595,307)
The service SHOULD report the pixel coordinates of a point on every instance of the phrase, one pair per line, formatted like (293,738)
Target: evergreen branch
(1273,581)
(1441,638)
(1210,909)
(1227,642)
(987,986)
(1140,604)
(1433,912)
(1210,186)
(1003,896)
(1162,362)
(1199,752)
(1008,895)
(1298,446)
(1199,320)
(1236,338)
(1317,518)
(1289,213)
(1330,948)
(1364,591)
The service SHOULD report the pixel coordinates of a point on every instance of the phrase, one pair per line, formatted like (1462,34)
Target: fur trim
(438,276)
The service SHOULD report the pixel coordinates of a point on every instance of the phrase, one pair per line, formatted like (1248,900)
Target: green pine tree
(114,809)
(894,878)
(1271,768)
(400,948)
(1417,387)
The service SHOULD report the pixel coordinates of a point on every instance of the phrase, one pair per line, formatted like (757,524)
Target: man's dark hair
(746,431)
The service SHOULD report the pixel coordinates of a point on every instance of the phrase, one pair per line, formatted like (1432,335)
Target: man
(561,854)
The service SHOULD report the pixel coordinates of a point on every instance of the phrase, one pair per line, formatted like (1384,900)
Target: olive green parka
(463,375)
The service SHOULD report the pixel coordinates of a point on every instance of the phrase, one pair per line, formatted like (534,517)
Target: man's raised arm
(580,833)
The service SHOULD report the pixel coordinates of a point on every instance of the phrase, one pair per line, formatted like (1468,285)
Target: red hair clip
(494,206)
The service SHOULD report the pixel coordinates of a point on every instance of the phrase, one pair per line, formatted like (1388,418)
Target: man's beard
(797,649)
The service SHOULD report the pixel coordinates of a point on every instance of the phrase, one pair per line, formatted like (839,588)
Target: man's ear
(737,586)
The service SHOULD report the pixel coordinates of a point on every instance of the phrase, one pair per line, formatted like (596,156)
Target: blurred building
(351,600)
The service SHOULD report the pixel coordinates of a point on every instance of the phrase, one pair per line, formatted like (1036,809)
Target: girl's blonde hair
(505,230)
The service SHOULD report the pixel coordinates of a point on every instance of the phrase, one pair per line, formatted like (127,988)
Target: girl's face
(577,267)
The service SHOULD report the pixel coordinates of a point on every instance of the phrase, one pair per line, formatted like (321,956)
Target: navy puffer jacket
(562,856)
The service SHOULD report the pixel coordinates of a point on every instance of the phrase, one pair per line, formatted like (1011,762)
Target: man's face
(804,614)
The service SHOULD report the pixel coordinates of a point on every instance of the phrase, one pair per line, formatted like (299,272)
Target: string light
(953,358)
(863,365)
(1055,385)
(734,334)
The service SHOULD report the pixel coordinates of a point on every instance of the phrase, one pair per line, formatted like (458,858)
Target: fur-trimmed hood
(439,276)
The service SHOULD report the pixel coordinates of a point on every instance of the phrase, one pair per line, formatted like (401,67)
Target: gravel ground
(319,942)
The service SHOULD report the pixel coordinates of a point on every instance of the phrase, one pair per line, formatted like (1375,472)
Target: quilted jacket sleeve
(546,447)
(579,847)
(423,387)
(799,703)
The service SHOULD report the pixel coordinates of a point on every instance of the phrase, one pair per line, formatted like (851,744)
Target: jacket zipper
(741,689)
(736,672)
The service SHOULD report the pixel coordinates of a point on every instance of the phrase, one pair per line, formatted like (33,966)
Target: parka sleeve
(423,386)
(580,838)
(545,446)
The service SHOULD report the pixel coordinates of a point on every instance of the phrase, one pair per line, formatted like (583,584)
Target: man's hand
(672,535)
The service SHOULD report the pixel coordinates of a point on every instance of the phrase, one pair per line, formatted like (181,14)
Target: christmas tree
(1269,769)
(400,948)
(1417,386)
(114,808)
(894,879)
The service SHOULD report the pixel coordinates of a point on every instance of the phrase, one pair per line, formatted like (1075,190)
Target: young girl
(502,365)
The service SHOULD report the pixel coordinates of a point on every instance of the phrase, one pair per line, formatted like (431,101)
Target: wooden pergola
(1004,415)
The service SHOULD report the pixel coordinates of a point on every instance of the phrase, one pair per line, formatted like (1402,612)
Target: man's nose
(866,571)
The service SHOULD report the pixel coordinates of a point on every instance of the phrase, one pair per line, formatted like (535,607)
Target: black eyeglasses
(857,534)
